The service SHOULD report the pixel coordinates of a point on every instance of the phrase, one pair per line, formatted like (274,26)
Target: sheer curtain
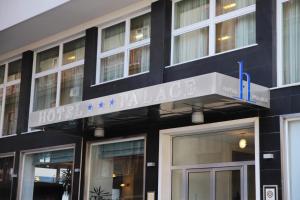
(113,37)
(191,11)
(225,6)
(291,42)
(245,31)
(191,45)
(112,67)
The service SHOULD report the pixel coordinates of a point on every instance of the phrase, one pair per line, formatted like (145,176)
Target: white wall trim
(80,28)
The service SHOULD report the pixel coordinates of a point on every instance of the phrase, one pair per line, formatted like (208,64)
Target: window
(204,28)
(288,45)
(10,75)
(124,49)
(58,75)
(116,168)
(291,160)
(47,175)
(6,171)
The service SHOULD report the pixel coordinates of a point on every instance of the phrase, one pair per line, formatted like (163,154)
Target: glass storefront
(48,175)
(6,170)
(116,171)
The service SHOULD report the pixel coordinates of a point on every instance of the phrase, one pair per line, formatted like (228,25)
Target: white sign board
(198,86)
(270,192)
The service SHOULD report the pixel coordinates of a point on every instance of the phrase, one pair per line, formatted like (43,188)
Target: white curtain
(113,37)
(245,30)
(112,67)
(225,6)
(291,41)
(191,45)
(188,12)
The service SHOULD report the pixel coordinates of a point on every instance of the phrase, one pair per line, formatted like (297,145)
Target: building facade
(161,99)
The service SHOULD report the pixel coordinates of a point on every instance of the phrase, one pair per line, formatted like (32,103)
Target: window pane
(2,73)
(225,6)
(6,167)
(188,12)
(228,185)
(1,98)
(118,170)
(11,110)
(177,184)
(112,67)
(191,45)
(48,175)
(251,182)
(14,70)
(71,85)
(139,60)
(199,185)
(74,51)
(113,37)
(236,33)
(140,28)
(291,42)
(45,92)
(231,146)
(47,59)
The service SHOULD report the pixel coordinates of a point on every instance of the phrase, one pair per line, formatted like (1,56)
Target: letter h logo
(243,74)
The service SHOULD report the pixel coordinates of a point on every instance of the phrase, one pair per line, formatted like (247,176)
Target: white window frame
(43,150)
(3,86)
(284,141)
(124,49)
(165,150)
(112,141)
(210,23)
(57,70)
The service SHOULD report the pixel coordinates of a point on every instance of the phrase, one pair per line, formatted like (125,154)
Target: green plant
(99,194)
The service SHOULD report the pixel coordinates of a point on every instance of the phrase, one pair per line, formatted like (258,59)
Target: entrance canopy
(207,91)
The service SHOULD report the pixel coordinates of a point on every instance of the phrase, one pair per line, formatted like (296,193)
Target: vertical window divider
(212,28)
(127,51)
(172,31)
(60,58)
(279,19)
(3,99)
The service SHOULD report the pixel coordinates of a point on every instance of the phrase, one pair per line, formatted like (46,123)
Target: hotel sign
(199,86)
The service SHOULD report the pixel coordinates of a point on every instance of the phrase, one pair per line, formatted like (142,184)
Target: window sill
(217,54)
(6,136)
(285,86)
(102,83)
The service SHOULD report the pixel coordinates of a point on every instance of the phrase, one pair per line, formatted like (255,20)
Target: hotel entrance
(210,162)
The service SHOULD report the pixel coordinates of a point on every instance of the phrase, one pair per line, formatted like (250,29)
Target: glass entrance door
(215,184)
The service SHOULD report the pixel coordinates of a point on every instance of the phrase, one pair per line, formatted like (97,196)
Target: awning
(214,89)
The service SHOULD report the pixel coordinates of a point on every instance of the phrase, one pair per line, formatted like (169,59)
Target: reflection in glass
(139,60)
(112,67)
(290,41)
(228,185)
(188,12)
(2,73)
(213,148)
(199,185)
(6,167)
(47,59)
(118,169)
(14,70)
(140,28)
(11,109)
(225,6)
(74,51)
(48,175)
(236,33)
(113,37)
(45,92)
(191,45)
(71,85)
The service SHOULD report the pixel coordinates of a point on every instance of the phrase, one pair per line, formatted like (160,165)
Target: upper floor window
(10,76)
(124,49)
(58,75)
(288,43)
(204,28)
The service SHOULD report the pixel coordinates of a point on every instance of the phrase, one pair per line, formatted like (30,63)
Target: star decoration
(101,104)
(90,107)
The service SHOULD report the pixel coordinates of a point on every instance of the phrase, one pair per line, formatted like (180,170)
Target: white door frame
(165,154)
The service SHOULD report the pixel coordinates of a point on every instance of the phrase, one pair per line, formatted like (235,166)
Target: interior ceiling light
(139,36)
(229,6)
(243,143)
(226,37)
(122,185)
(71,58)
